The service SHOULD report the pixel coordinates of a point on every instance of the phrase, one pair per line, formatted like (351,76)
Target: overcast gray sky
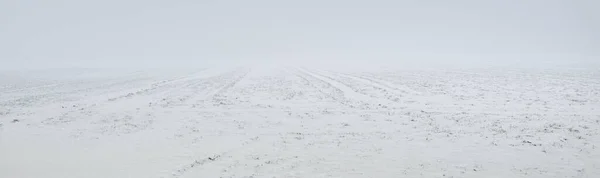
(110,32)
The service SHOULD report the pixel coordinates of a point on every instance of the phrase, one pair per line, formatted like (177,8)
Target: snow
(289,121)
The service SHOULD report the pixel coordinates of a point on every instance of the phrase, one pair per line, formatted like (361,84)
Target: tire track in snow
(324,87)
(227,156)
(81,89)
(207,88)
(66,110)
(72,86)
(142,113)
(218,98)
(88,110)
(67,91)
(366,102)
(211,89)
(369,88)
(173,99)
(283,90)
(158,86)
(381,84)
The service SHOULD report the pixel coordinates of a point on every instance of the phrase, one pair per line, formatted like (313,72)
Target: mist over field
(266,88)
(134,33)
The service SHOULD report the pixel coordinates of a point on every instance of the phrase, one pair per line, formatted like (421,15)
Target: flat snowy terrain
(299,122)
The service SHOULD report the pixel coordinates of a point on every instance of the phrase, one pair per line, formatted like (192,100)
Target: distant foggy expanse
(149,33)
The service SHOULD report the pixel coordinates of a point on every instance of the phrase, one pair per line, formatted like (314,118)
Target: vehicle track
(369,88)
(91,109)
(330,91)
(382,84)
(146,112)
(363,101)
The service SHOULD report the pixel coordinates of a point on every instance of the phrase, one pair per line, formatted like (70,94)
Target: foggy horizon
(40,34)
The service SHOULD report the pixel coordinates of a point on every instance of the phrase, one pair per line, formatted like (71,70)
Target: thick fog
(150,33)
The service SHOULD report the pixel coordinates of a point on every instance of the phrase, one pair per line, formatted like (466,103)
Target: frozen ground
(300,122)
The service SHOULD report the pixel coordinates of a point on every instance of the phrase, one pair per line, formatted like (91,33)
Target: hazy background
(147,33)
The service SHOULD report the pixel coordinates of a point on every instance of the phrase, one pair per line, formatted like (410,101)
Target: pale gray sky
(110,32)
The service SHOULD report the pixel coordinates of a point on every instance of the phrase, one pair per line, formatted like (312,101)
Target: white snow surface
(289,121)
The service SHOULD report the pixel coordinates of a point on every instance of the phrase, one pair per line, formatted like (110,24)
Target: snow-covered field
(279,121)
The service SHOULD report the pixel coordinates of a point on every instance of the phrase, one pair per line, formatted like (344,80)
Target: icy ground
(299,122)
